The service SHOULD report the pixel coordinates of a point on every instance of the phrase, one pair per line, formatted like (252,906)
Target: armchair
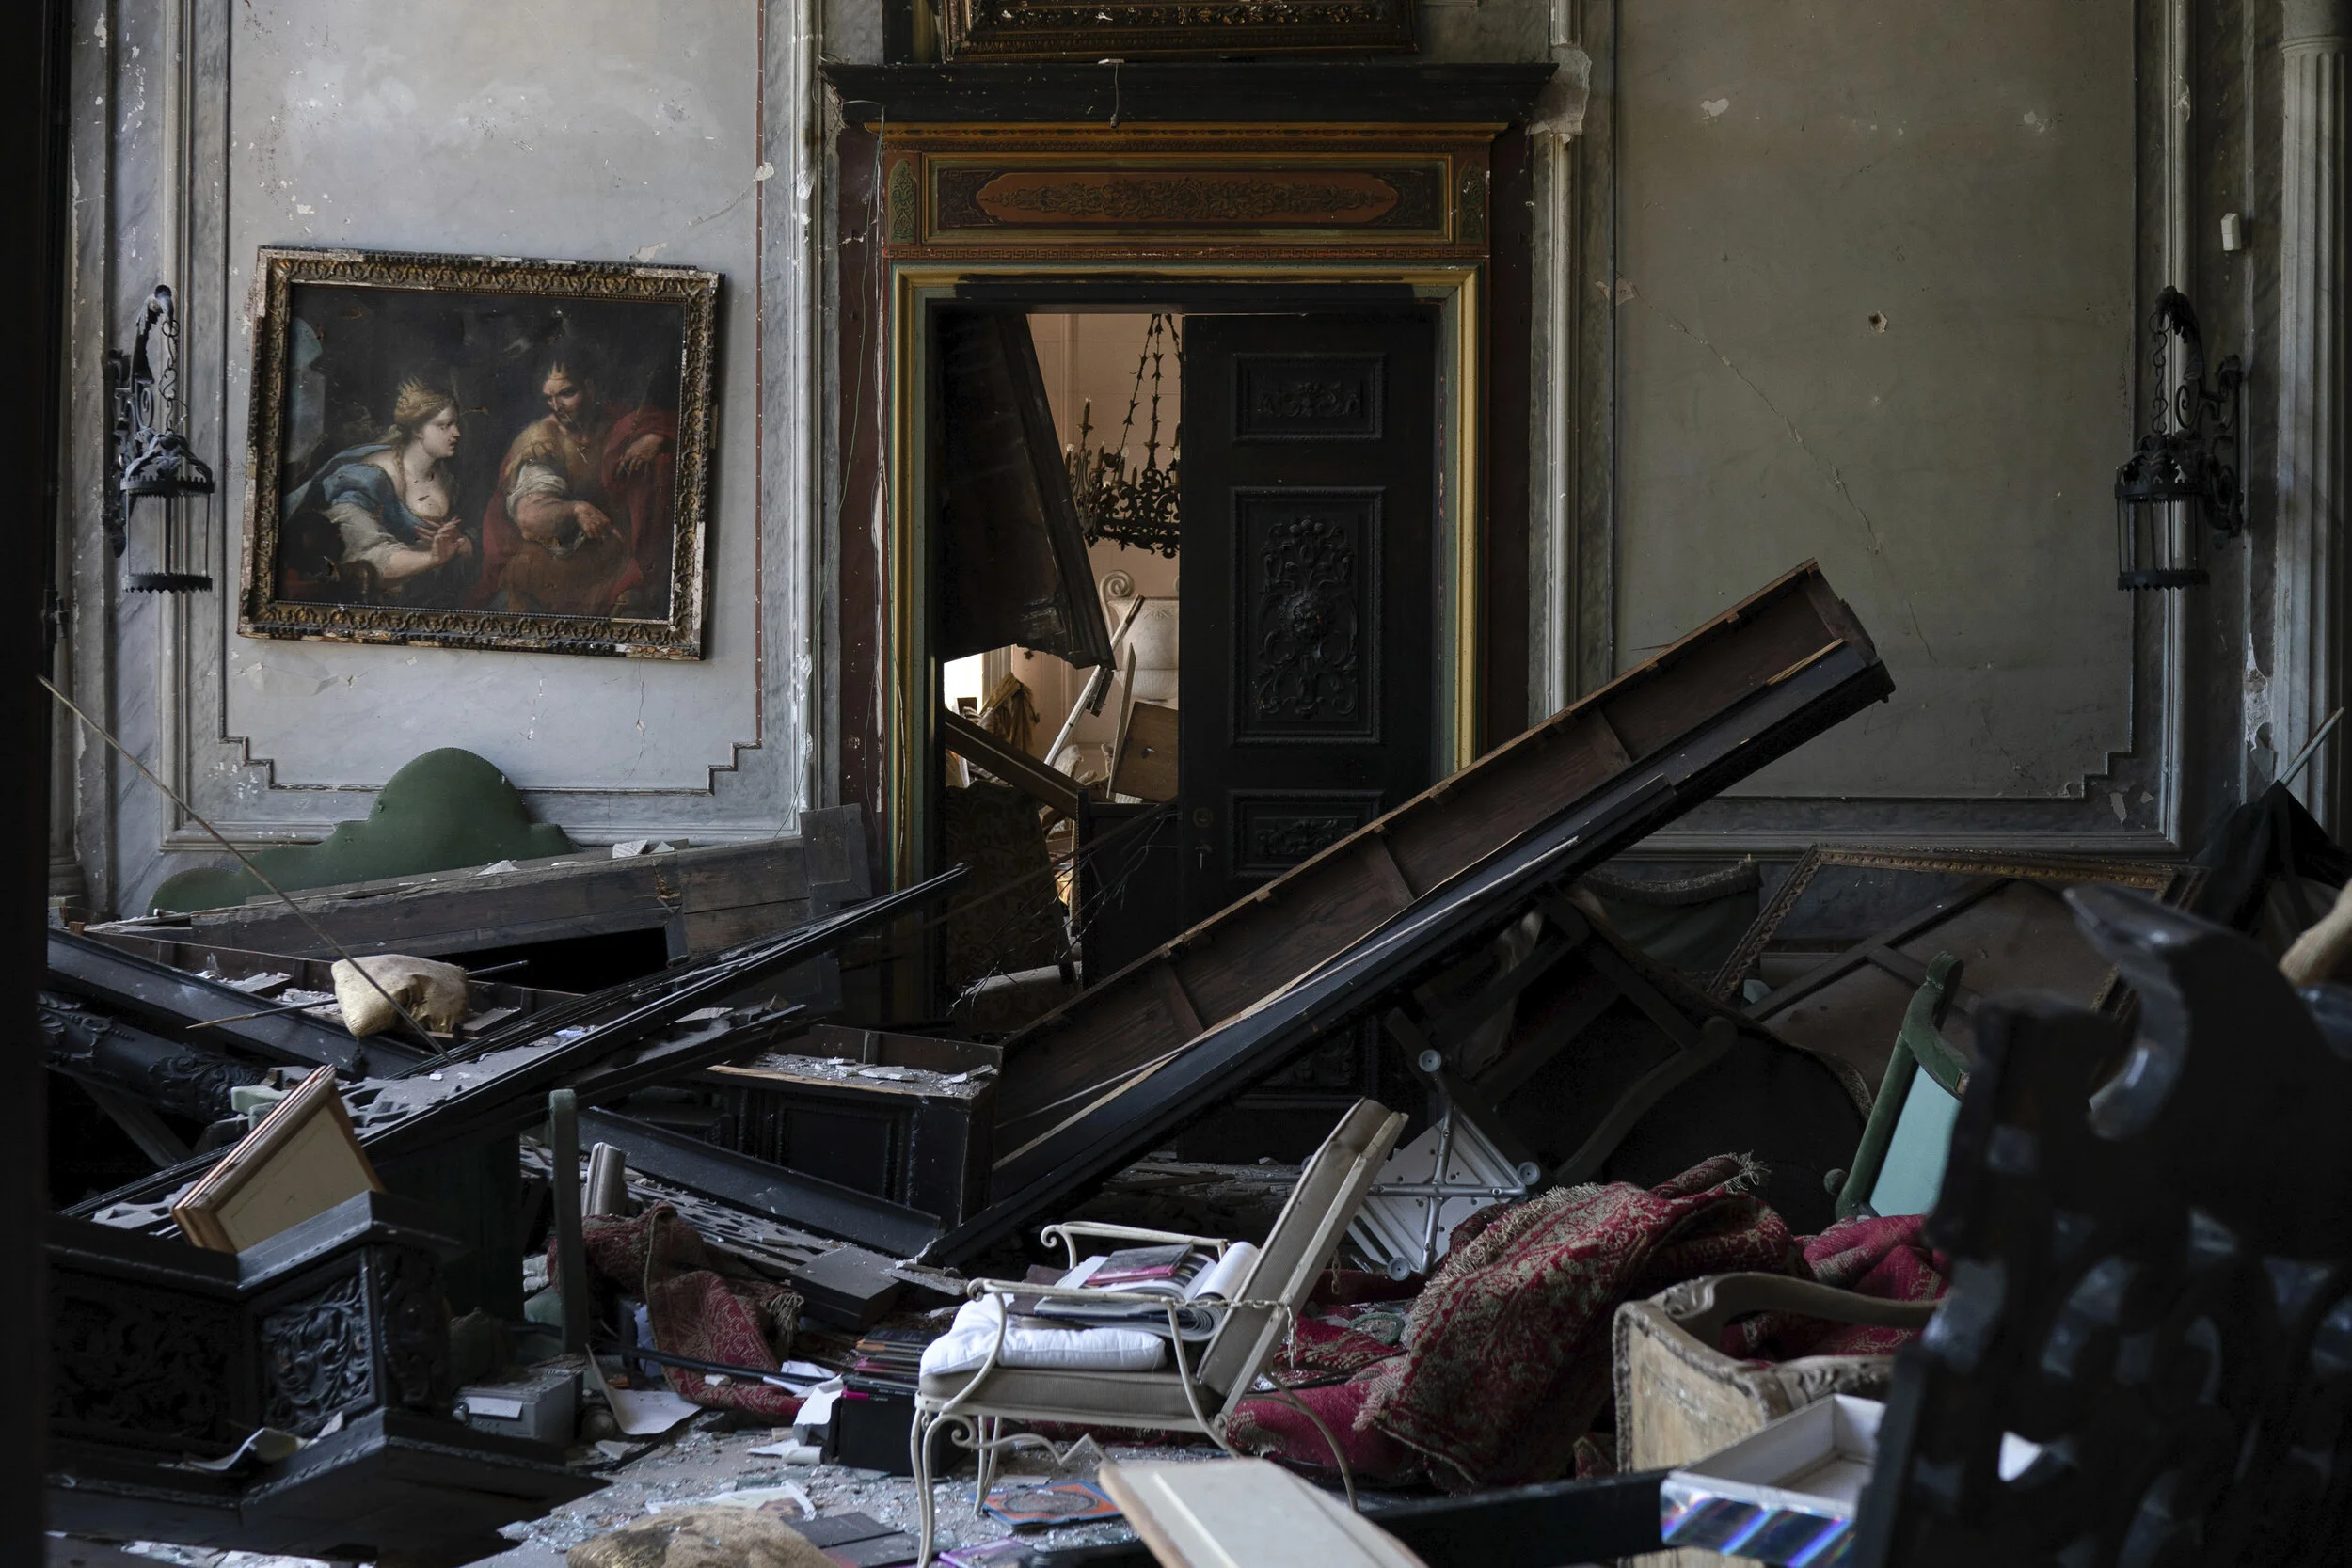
(1199,1392)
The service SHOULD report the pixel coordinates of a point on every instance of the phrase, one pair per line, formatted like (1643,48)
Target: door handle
(1200,858)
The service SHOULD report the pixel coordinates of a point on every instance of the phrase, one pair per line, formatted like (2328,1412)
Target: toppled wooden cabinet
(905,1117)
(685,902)
(160,1350)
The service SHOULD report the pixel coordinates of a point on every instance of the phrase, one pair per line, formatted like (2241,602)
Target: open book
(1196,1278)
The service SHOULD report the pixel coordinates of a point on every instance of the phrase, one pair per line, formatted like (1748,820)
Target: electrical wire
(299,913)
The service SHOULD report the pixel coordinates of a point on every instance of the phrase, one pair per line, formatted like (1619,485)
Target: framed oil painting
(480,452)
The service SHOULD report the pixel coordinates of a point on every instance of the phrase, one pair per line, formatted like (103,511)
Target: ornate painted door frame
(1175,216)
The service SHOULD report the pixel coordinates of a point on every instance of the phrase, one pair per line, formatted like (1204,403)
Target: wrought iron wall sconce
(153,461)
(2181,483)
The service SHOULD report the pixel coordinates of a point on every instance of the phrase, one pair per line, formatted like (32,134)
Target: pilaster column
(66,881)
(2314,475)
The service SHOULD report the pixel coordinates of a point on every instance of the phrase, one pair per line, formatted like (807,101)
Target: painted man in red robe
(583,522)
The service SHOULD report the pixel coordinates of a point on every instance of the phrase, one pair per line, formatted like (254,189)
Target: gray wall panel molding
(205,127)
(2313,465)
(2125,765)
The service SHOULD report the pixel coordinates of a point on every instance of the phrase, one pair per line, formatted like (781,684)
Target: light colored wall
(1969,175)
(1874,304)
(596,130)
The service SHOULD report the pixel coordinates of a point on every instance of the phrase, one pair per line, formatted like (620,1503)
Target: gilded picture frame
(1131,30)
(480,452)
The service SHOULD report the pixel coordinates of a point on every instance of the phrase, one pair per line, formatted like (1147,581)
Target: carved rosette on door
(1318,575)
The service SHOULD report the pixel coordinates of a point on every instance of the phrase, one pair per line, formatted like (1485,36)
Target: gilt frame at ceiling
(1218,223)
(1155,29)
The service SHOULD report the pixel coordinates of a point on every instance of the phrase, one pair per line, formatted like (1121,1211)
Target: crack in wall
(1625,291)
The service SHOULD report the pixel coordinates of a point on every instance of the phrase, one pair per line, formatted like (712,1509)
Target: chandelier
(1141,508)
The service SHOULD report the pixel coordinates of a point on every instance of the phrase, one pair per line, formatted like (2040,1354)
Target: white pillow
(966,1345)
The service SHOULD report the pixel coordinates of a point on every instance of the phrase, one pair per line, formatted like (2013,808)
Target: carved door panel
(1310,587)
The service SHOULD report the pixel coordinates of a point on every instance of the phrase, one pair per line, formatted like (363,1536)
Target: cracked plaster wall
(1874,304)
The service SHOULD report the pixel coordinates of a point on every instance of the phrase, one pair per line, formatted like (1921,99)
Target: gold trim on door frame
(908,727)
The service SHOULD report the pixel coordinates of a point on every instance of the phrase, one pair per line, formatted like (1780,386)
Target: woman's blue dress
(350,478)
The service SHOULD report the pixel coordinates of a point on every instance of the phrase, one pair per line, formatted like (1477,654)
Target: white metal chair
(1190,1396)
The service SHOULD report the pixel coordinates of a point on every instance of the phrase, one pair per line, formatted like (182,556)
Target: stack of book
(871,1419)
(1195,1279)
(891,1359)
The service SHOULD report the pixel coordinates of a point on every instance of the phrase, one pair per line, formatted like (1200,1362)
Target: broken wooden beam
(804,1201)
(1236,997)
(104,1053)
(603,1046)
(165,1000)
(1047,786)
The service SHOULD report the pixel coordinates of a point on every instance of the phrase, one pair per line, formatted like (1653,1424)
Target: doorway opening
(1172,656)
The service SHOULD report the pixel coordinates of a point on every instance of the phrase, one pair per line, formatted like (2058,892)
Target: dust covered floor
(1160,1193)
(705,1462)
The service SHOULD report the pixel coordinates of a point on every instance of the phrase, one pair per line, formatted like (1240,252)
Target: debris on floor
(391,1259)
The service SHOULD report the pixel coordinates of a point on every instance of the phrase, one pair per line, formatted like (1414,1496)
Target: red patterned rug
(695,1310)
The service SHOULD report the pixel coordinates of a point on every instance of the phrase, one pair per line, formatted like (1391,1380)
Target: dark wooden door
(1310,587)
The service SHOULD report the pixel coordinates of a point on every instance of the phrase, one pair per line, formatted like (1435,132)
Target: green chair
(1900,1165)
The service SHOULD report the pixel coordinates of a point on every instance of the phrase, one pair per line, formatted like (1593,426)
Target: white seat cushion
(966,1345)
(1089,1398)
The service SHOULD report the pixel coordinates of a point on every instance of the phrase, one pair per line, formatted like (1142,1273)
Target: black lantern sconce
(153,461)
(2181,483)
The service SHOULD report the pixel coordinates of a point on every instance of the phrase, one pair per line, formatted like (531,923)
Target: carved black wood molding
(2153,1282)
(158,1344)
(183,1079)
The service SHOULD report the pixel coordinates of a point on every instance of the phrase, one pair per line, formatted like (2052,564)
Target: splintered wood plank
(1318,909)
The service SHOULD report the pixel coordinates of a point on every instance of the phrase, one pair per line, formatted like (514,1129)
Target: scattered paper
(496,866)
(641,1411)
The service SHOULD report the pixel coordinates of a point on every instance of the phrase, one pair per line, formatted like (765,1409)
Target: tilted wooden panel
(1236,956)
